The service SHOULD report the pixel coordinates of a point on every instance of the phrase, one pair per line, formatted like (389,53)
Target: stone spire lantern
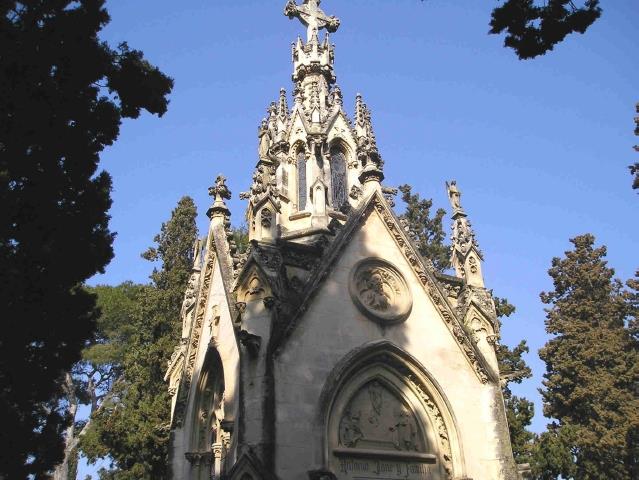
(466,257)
(314,163)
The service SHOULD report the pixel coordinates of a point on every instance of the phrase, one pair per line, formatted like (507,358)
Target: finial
(466,256)
(219,192)
(312,17)
(298,94)
(272,110)
(360,110)
(337,96)
(283,105)
(454,195)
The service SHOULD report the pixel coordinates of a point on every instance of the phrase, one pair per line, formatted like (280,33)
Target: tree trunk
(62,471)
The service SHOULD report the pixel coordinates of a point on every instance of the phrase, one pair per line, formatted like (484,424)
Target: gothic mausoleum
(331,349)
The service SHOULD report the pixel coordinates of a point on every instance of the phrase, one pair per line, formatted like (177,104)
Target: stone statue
(312,17)
(265,140)
(454,195)
(197,252)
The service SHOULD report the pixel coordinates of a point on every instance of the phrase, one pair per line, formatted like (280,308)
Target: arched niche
(339,179)
(208,413)
(384,417)
(301,182)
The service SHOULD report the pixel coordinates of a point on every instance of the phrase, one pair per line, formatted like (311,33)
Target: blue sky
(539,148)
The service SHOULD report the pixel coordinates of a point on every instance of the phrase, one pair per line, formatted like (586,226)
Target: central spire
(314,163)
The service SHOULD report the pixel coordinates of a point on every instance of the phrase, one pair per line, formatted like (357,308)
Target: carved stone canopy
(380,291)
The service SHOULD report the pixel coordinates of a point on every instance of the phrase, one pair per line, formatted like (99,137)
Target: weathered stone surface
(330,349)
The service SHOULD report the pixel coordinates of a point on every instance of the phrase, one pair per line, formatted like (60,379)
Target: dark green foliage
(553,455)
(513,369)
(63,94)
(592,366)
(428,231)
(241,238)
(633,304)
(131,427)
(534,28)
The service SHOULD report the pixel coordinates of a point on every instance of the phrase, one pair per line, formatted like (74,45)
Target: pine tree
(131,428)
(63,94)
(91,380)
(592,366)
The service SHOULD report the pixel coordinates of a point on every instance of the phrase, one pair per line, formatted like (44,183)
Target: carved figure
(377,418)
(454,195)
(265,140)
(349,430)
(379,291)
(267,218)
(404,430)
(197,252)
(338,179)
(375,394)
(189,297)
(373,293)
(311,16)
(356,192)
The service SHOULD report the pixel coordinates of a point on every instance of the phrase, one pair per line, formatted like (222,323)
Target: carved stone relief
(380,291)
(384,426)
(376,418)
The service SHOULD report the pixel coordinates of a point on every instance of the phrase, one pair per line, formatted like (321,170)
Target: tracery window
(338,178)
(301,180)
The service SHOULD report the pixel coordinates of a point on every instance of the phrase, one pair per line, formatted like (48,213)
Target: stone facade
(331,349)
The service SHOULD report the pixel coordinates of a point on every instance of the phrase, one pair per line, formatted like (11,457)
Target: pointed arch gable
(428,417)
(421,267)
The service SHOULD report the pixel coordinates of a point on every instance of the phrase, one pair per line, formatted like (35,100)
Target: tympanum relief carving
(380,291)
(377,419)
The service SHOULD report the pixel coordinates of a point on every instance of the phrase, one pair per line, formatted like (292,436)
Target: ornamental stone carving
(380,291)
(375,418)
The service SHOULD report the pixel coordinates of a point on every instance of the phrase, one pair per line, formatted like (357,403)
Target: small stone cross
(220,189)
(312,16)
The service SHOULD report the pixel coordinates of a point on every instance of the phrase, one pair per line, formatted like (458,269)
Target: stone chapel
(330,348)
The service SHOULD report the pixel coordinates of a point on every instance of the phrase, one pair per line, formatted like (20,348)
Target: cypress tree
(132,427)
(592,368)
(63,94)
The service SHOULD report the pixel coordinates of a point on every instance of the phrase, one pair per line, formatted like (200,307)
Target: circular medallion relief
(380,291)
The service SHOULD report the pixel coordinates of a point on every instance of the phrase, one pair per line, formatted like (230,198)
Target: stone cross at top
(312,16)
